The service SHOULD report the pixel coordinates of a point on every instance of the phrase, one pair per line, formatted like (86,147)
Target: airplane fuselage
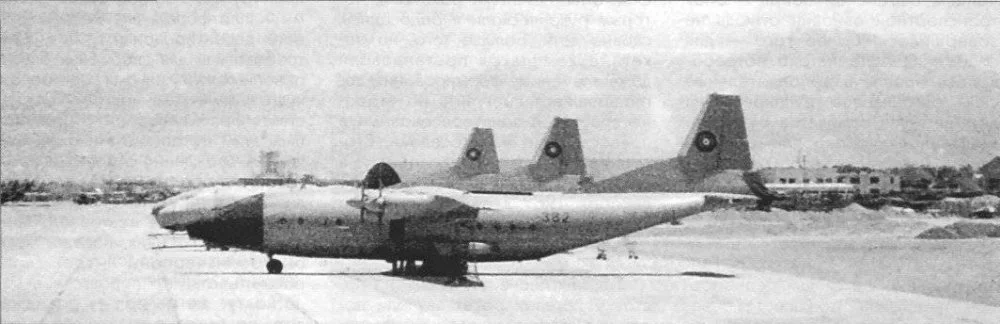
(484,227)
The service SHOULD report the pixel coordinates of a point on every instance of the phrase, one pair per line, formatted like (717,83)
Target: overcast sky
(195,89)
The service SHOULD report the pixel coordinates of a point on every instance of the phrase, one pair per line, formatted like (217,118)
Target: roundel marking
(705,141)
(552,149)
(473,154)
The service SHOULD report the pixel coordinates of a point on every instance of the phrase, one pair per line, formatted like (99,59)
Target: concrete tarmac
(94,264)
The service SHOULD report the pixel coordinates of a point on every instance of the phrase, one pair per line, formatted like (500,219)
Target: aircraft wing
(415,202)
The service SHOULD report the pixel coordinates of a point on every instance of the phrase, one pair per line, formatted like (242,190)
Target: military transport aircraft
(442,227)
(478,168)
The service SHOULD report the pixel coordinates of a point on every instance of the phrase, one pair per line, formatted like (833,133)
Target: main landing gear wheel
(274,266)
(456,270)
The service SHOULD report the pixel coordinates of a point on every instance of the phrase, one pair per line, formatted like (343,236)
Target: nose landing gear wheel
(274,266)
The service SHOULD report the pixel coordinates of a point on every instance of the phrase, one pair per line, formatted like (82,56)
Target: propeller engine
(381,175)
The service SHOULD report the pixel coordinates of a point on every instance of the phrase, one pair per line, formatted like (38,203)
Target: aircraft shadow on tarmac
(439,280)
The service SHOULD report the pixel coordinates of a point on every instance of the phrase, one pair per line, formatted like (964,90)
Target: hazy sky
(196,89)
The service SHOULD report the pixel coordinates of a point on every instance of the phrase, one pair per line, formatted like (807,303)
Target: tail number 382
(555,217)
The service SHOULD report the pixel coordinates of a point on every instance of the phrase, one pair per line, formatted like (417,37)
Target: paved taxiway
(67,263)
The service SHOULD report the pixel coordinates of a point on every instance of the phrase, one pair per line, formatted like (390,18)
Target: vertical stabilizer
(560,153)
(714,157)
(479,155)
(718,139)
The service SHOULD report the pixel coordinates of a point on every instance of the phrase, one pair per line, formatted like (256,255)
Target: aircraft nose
(157,209)
(240,224)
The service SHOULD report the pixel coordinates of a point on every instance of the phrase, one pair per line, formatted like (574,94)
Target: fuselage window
(497,227)
(301,221)
(282,221)
(339,222)
(533,227)
(479,226)
(513,226)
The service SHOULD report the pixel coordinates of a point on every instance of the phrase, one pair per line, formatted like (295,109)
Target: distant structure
(273,171)
(990,180)
(915,179)
(875,182)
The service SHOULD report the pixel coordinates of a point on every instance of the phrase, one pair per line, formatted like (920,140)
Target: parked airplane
(477,168)
(442,227)
(559,165)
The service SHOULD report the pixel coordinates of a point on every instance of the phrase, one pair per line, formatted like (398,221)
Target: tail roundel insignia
(473,154)
(553,149)
(705,141)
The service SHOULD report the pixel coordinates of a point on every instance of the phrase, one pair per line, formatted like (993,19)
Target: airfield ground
(63,263)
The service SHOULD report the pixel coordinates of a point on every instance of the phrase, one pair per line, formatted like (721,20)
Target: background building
(990,180)
(875,181)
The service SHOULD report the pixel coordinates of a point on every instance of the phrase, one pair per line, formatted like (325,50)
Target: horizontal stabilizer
(715,201)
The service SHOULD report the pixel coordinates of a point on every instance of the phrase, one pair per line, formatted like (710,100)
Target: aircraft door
(397,230)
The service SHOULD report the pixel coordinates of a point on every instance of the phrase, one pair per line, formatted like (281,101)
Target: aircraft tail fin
(718,139)
(560,153)
(479,155)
